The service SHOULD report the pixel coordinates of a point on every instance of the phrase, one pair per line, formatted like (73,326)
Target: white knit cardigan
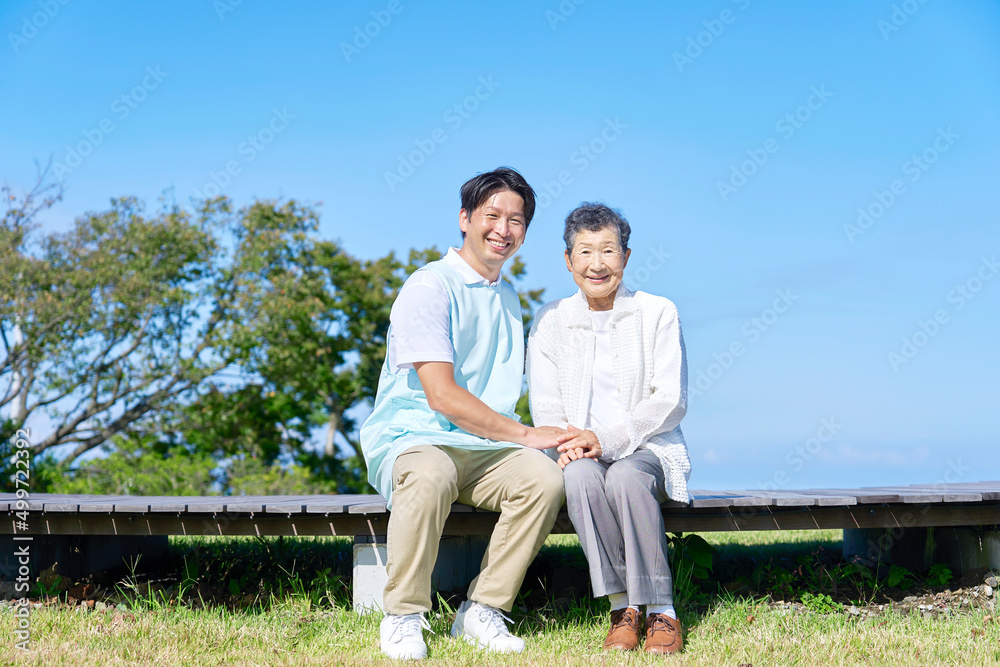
(650,371)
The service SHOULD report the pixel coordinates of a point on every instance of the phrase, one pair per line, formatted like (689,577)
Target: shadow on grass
(256,573)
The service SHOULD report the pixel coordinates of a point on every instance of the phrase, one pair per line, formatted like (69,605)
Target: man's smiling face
(493,232)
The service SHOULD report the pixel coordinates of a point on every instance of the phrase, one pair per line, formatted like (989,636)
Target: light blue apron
(488,338)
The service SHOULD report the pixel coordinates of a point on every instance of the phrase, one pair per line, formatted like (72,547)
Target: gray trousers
(615,509)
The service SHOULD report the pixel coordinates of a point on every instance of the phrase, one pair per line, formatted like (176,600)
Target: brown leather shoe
(663,634)
(626,626)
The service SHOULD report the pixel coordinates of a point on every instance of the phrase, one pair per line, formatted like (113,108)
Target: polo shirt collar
(468,274)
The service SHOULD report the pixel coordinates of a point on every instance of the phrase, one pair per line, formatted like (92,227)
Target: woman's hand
(582,444)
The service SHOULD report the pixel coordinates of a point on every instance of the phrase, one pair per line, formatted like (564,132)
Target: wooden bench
(365,518)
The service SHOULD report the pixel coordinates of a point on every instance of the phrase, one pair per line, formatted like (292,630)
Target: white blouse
(648,365)
(605,408)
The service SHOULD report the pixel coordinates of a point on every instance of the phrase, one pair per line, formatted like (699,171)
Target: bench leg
(965,549)
(458,563)
(917,549)
(459,560)
(79,556)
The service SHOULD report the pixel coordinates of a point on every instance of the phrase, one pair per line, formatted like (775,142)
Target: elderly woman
(609,364)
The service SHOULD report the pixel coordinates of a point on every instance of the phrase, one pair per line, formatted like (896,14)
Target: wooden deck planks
(828,497)
(737,502)
(683,519)
(929,494)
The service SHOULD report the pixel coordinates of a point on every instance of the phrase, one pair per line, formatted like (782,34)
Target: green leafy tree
(138,467)
(100,324)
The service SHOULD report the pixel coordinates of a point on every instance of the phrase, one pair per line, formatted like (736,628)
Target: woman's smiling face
(597,263)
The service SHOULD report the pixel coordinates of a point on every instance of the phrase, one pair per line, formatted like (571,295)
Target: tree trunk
(19,410)
(333,425)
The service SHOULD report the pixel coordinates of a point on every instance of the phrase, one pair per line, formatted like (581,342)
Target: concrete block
(369,575)
(459,561)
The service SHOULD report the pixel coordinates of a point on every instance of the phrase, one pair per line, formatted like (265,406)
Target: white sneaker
(402,638)
(484,626)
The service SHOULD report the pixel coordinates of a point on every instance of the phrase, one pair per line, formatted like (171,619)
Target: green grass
(296,627)
(773,539)
(735,631)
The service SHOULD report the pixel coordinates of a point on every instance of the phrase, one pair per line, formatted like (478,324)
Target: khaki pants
(524,485)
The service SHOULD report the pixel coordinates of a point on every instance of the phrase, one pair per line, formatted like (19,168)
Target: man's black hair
(478,189)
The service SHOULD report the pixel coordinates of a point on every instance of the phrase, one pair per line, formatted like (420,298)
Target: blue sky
(813,184)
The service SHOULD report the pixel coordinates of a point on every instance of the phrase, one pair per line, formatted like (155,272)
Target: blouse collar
(578,310)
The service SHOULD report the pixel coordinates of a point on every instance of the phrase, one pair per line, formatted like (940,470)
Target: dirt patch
(929,604)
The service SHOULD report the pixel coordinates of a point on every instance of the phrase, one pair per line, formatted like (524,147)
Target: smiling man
(443,428)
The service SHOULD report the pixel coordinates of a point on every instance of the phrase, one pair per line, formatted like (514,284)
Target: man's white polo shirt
(421,319)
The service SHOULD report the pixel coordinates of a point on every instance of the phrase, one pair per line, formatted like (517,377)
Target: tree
(134,466)
(17,223)
(97,322)
(127,315)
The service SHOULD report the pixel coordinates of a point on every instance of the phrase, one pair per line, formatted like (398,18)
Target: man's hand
(469,413)
(581,444)
(546,437)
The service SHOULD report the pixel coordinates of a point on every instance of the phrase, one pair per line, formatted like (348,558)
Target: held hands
(581,444)
(546,437)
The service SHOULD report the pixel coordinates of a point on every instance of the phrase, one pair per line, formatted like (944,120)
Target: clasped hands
(572,443)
